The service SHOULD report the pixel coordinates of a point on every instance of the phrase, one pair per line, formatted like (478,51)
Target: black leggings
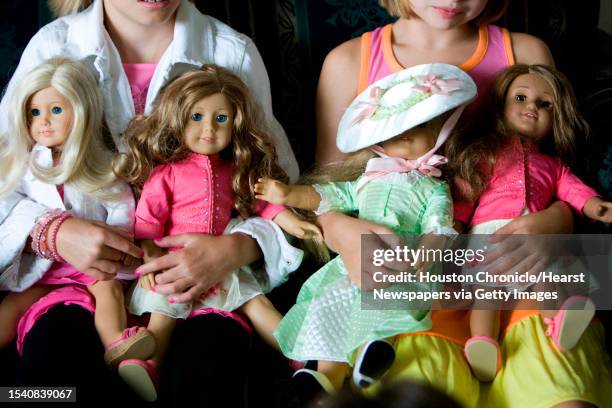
(206,364)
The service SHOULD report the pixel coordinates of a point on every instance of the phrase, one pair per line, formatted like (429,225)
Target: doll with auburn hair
(55,156)
(533,109)
(197,157)
(392,131)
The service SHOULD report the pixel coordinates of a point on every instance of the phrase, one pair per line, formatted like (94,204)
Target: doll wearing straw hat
(393,130)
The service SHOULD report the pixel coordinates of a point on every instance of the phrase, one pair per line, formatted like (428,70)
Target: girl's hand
(201,262)
(343,236)
(529,251)
(94,248)
(272,191)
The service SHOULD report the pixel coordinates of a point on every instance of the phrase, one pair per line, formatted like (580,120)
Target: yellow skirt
(534,373)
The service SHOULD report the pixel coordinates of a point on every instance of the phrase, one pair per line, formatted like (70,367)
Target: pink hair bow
(381,166)
(435,85)
(369,107)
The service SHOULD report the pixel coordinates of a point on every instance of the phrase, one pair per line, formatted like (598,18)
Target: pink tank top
(493,53)
(139,76)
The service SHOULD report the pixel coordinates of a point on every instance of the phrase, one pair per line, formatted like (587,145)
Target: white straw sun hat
(401,101)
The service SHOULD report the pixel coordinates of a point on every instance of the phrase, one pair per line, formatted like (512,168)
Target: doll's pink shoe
(484,356)
(141,376)
(568,325)
(134,342)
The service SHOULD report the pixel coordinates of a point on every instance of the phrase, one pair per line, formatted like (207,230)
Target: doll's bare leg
(13,306)
(334,371)
(161,326)
(264,317)
(110,318)
(482,350)
(484,323)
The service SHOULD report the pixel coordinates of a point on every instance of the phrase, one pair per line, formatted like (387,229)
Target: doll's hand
(147,281)
(519,245)
(598,209)
(96,249)
(272,191)
(305,230)
(201,262)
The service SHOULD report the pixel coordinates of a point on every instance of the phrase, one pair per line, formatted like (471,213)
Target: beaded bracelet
(39,234)
(53,235)
(40,227)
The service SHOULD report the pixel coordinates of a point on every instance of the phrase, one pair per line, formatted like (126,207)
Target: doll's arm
(598,209)
(297,227)
(276,192)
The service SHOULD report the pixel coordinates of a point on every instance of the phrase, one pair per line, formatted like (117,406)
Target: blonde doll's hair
(475,147)
(85,163)
(158,138)
(492,12)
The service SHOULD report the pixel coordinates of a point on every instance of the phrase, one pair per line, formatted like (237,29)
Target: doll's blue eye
(35,112)
(196,117)
(56,110)
(520,98)
(221,118)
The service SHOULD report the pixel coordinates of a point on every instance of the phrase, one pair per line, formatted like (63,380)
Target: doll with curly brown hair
(197,157)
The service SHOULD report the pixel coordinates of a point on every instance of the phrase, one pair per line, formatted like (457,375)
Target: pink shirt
(192,195)
(523,178)
(493,53)
(139,76)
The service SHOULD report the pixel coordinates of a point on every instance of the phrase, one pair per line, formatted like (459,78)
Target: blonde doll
(533,106)
(393,127)
(199,154)
(55,156)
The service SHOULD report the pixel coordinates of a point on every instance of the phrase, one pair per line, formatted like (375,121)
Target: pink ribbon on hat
(369,106)
(437,86)
(429,84)
(426,164)
(379,166)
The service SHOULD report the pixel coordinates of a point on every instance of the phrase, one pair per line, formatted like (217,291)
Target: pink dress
(193,195)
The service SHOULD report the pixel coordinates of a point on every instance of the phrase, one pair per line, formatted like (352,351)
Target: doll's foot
(135,342)
(141,376)
(568,325)
(484,356)
(373,363)
(309,385)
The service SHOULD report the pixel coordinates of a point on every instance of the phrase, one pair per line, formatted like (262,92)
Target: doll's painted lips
(45,132)
(530,115)
(447,12)
(207,139)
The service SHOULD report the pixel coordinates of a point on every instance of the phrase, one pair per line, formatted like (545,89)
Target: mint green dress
(328,321)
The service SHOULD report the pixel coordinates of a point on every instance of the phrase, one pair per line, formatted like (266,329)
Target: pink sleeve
(267,210)
(153,208)
(463,208)
(571,189)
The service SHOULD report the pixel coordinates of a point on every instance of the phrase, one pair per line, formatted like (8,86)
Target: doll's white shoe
(373,363)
